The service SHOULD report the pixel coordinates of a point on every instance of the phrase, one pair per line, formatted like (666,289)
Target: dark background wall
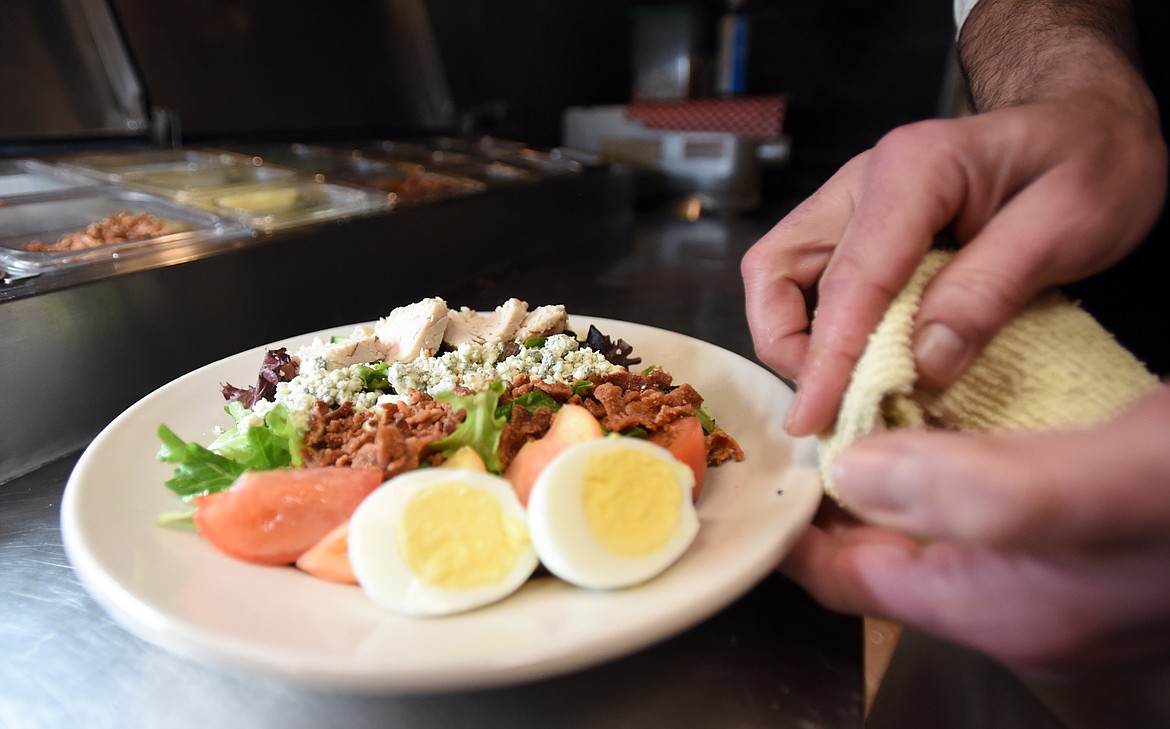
(853,69)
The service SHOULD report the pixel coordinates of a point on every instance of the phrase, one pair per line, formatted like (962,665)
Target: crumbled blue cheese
(560,359)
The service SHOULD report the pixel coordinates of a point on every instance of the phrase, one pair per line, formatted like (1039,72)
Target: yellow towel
(1051,366)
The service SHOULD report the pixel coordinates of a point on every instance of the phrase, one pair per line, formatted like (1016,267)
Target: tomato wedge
(329,558)
(685,440)
(273,517)
(571,425)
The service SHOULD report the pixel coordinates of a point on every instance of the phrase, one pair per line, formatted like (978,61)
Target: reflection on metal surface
(226,67)
(65,61)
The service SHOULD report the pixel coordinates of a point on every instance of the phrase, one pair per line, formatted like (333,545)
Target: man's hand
(1052,185)
(1046,551)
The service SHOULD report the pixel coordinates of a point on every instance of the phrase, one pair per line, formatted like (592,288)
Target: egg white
(567,545)
(384,572)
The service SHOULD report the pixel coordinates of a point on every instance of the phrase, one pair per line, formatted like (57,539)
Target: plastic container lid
(25,178)
(48,220)
(186,182)
(282,205)
(317,162)
(115,166)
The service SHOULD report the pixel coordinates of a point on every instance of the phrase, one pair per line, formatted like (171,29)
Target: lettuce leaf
(278,421)
(480,429)
(177,519)
(618,353)
(708,423)
(275,445)
(199,471)
(529,401)
(374,376)
(205,470)
(278,366)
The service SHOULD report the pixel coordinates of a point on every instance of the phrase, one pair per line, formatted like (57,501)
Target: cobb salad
(440,457)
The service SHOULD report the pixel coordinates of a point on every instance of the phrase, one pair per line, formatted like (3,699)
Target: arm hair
(1016,51)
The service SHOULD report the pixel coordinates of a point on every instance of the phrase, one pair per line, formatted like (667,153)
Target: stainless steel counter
(772,659)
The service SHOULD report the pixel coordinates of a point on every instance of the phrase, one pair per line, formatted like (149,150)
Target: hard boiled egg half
(438,541)
(612,512)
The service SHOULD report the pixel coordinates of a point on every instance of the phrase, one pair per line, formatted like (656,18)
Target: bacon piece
(651,409)
(654,379)
(522,427)
(720,447)
(120,227)
(394,438)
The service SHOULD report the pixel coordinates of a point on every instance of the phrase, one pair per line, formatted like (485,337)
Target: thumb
(1100,485)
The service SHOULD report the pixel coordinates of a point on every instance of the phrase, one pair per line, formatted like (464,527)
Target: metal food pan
(413,184)
(515,154)
(448,162)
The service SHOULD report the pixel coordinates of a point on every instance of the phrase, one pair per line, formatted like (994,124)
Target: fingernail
(877,481)
(940,354)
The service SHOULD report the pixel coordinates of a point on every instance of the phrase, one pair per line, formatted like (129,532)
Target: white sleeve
(962,9)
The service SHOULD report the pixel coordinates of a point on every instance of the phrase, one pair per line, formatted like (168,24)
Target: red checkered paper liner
(760,117)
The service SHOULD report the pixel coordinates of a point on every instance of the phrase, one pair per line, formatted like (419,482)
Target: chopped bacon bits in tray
(120,227)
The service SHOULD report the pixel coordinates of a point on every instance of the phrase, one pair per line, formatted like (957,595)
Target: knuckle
(848,275)
(777,355)
(753,262)
(914,139)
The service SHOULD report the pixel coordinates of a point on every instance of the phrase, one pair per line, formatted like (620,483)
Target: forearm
(1020,51)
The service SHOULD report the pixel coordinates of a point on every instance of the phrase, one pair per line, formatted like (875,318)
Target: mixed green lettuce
(203,470)
(278,366)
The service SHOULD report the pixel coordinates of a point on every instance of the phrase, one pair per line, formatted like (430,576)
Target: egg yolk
(458,537)
(631,501)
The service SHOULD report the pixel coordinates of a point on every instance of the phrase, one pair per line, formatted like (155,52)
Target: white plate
(175,590)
